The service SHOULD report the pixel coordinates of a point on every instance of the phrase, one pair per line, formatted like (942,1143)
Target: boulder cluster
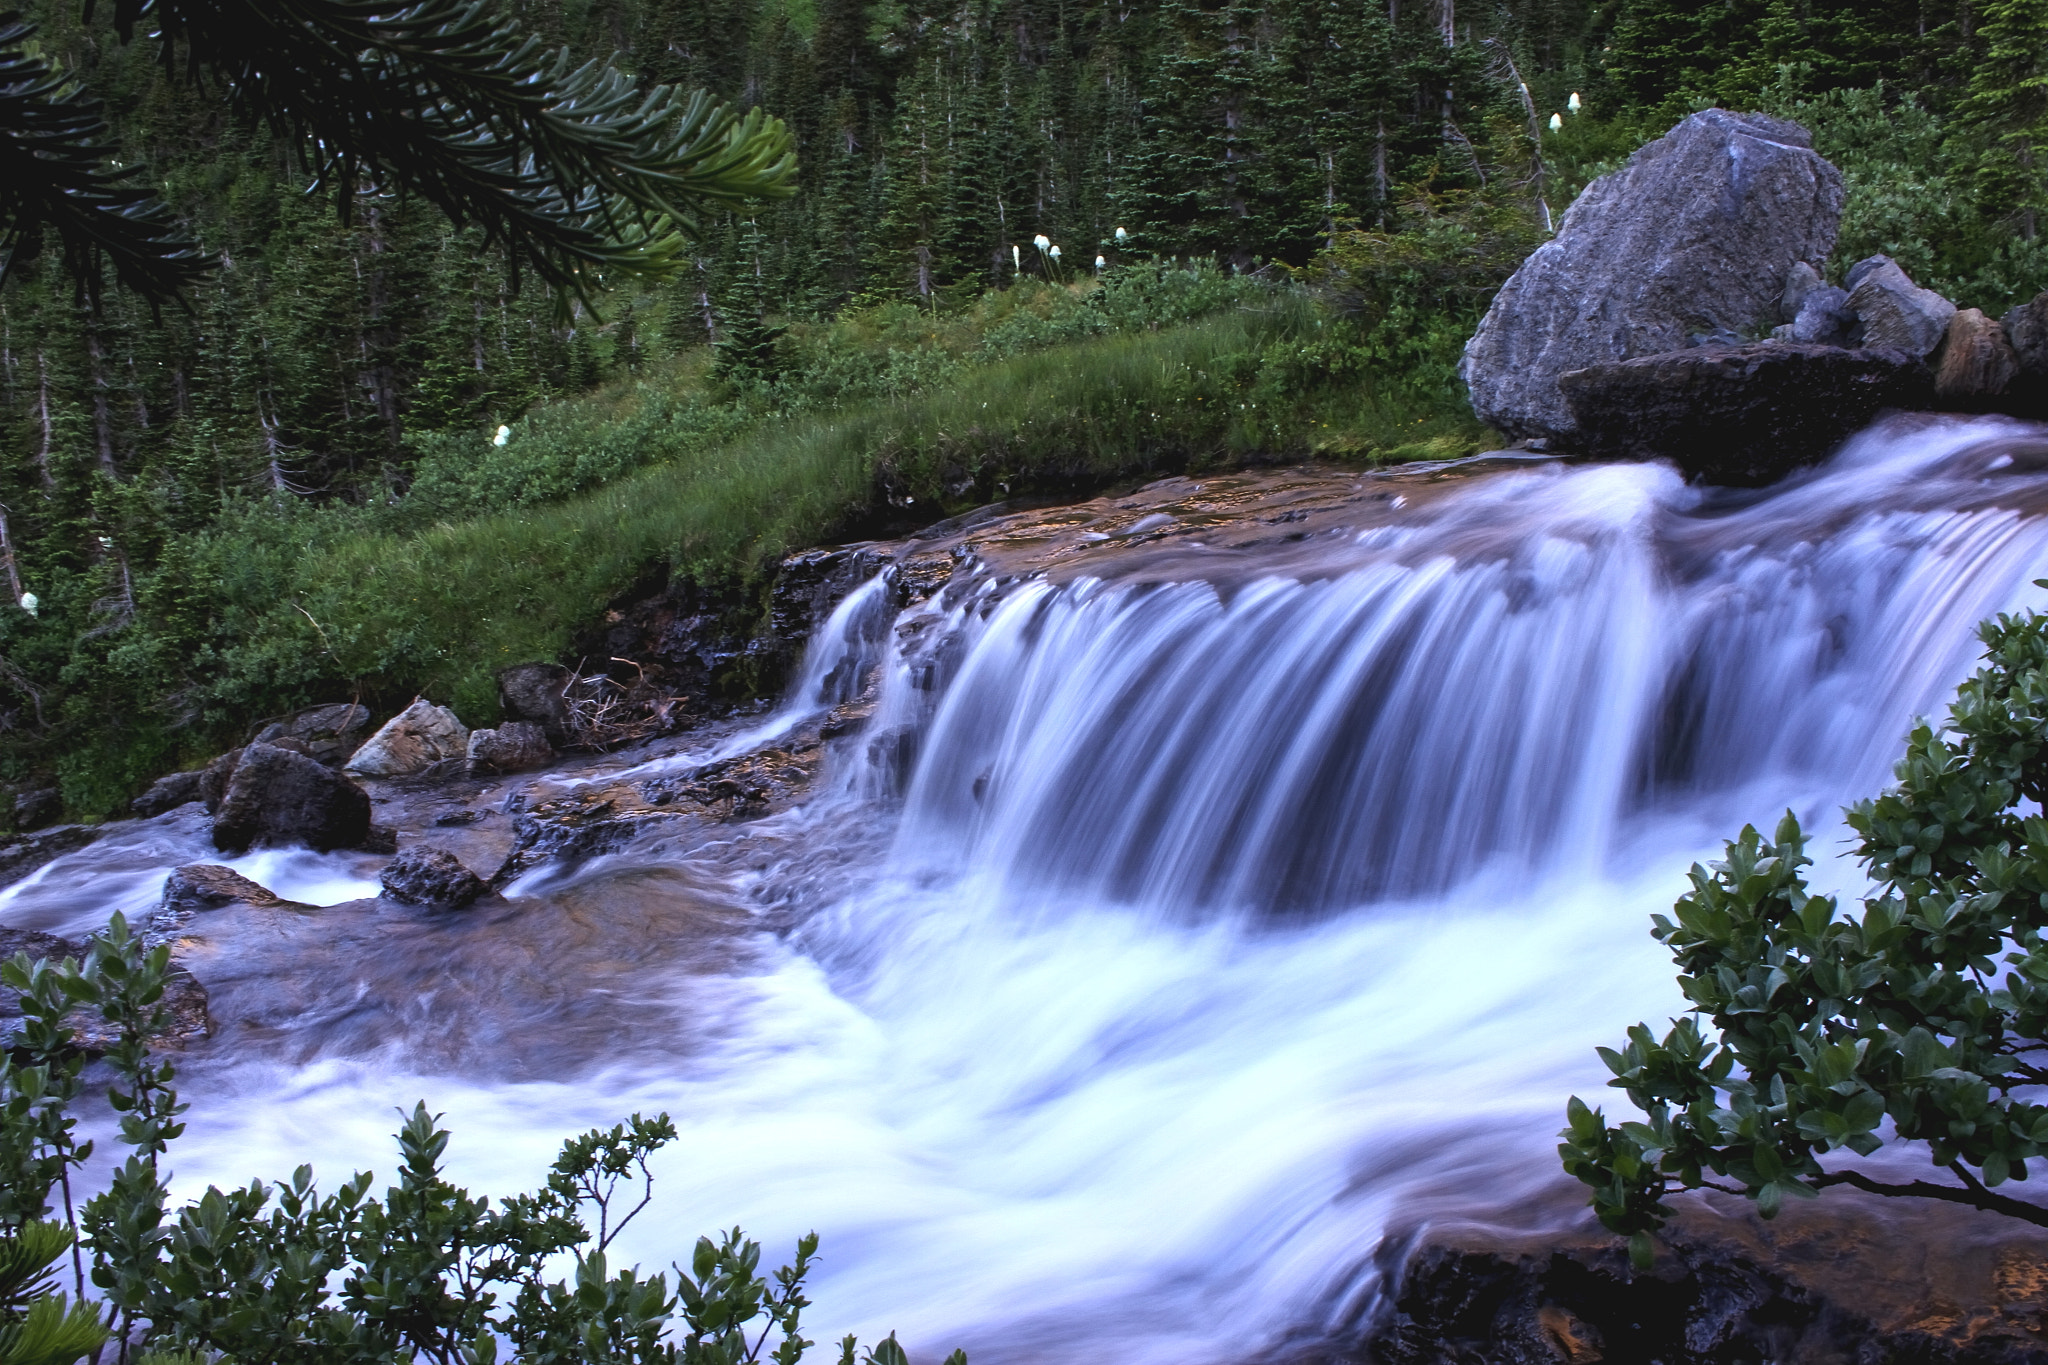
(1681,312)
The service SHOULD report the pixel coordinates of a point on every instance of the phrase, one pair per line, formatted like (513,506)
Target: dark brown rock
(214,779)
(429,876)
(1840,1281)
(208,886)
(2026,327)
(1975,362)
(1739,415)
(279,797)
(184,999)
(538,693)
(513,747)
(167,793)
(35,809)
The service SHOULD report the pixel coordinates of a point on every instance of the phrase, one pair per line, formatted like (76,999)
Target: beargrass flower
(1122,236)
(29,603)
(1101,262)
(1556,122)
(1573,103)
(504,435)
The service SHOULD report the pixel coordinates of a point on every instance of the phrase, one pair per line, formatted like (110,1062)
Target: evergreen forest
(364,458)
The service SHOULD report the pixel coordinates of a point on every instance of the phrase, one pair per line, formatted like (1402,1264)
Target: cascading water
(1228,911)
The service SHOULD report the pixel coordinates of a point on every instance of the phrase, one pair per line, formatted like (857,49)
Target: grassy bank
(279,606)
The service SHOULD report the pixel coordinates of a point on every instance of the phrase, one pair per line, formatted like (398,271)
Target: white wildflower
(1122,236)
(1041,241)
(1016,258)
(1054,253)
(1101,262)
(29,603)
(1573,103)
(1556,122)
(504,435)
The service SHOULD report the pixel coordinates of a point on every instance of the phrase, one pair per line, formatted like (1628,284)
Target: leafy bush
(1821,1027)
(283,1273)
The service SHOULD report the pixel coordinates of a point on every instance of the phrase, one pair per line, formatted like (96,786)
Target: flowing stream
(1191,930)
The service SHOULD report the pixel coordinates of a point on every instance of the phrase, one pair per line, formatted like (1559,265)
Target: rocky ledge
(1849,1279)
(1683,312)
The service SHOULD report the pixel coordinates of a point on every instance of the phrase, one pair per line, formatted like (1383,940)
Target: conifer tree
(2007,108)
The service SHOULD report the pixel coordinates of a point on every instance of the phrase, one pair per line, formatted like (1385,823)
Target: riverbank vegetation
(1038,247)
(282,1271)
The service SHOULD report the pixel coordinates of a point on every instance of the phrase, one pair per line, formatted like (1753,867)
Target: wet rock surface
(431,877)
(208,886)
(1845,1280)
(23,856)
(276,797)
(184,999)
(167,793)
(1694,237)
(1740,416)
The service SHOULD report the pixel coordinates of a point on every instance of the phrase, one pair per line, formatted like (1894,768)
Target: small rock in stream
(428,876)
(208,886)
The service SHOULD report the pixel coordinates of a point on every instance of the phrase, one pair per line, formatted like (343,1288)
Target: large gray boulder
(1693,239)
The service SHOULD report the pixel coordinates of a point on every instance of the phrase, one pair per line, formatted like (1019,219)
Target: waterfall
(1170,938)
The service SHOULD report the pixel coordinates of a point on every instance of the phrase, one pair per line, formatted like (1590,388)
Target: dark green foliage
(566,163)
(287,1274)
(1819,1026)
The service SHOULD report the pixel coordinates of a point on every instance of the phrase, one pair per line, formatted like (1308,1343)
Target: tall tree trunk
(102,418)
(46,447)
(7,557)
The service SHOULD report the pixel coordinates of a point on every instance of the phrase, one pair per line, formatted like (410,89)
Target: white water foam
(1225,928)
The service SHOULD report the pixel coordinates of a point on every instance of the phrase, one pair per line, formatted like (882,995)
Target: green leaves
(1824,1027)
(572,167)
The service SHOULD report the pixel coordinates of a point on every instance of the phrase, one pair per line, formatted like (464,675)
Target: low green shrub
(283,1273)
(1811,1028)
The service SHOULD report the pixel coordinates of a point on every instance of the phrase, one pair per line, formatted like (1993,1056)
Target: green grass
(441,610)
(504,554)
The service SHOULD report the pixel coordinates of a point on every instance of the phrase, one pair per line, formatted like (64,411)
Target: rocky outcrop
(1743,415)
(184,999)
(276,796)
(431,877)
(327,734)
(208,886)
(1694,237)
(167,793)
(514,747)
(1836,1281)
(1895,313)
(412,741)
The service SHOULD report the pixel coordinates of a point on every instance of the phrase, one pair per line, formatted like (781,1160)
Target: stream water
(1189,932)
